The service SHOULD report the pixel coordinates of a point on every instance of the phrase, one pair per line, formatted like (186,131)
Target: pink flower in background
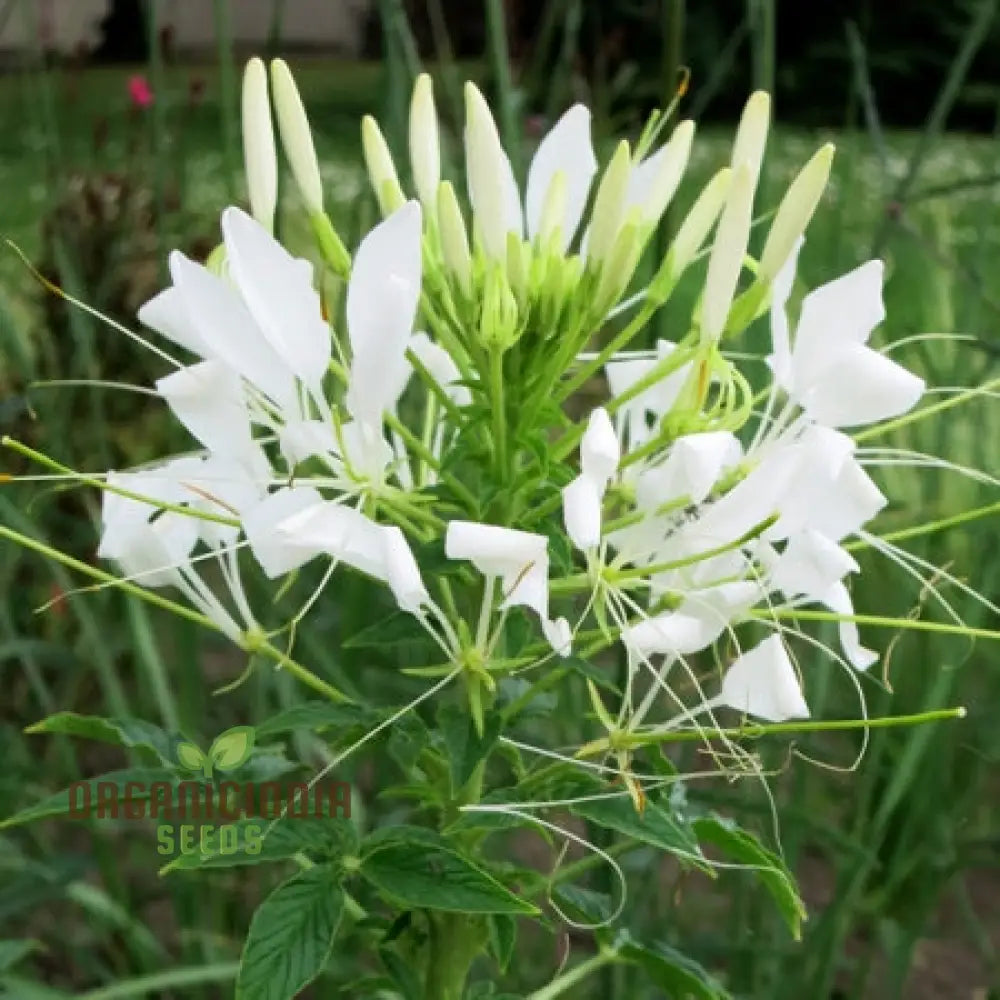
(139,91)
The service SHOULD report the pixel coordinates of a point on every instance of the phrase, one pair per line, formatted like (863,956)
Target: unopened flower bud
(489,175)
(795,212)
(454,238)
(425,148)
(674,160)
(381,169)
(296,138)
(620,264)
(609,205)
(726,261)
(554,210)
(498,323)
(698,223)
(751,135)
(259,156)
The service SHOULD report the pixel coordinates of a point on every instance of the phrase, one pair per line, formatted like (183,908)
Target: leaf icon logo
(227,752)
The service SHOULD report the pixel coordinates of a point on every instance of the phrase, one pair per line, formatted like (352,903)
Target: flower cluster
(697,509)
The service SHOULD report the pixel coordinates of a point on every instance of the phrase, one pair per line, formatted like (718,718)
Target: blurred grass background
(900,861)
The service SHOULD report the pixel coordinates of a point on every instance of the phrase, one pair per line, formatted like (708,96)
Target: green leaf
(25,989)
(316,716)
(583,905)
(436,878)
(232,748)
(466,747)
(655,826)
(122,732)
(404,976)
(139,778)
(503,938)
(744,847)
(399,629)
(190,756)
(407,741)
(680,976)
(11,952)
(291,936)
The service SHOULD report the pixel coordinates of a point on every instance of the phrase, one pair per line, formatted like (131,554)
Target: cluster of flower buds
(684,515)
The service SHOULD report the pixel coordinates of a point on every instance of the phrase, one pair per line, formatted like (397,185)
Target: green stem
(303,674)
(917,625)
(100,484)
(562,983)
(499,415)
(631,741)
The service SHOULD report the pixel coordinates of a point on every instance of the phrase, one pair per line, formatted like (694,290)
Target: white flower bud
(259,156)
(454,238)
(698,223)
(751,135)
(381,169)
(726,261)
(670,170)
(425,148)
(609,205)
(492,190)
(296,138)
(554,209)
(795,212)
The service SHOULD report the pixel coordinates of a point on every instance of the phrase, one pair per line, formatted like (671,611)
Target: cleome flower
(424,436)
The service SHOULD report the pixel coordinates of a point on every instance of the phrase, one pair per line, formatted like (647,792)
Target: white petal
(781,358)
(811,564)
(692,468)
(300,440)
(582,512)
(844,311)
(567,147)
(762,683)
(155,550)
(520,558)
(673,633)
(600,452)
(224,324)
(860,386)
(381,306)
(165,313)
(208,399)
(442,368)
(341,532)
(559,635)
(402,572)
(838,600)
(279,291)
(278,553)
(225,486)
(365,449)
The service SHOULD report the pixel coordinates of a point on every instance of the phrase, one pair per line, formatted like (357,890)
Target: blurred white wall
(68,25)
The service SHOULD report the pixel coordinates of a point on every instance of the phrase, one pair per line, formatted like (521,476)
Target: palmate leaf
(291,936)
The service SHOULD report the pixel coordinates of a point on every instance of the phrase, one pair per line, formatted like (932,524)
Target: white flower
(425,149)
(829,370)
(519,558)
(726,261)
